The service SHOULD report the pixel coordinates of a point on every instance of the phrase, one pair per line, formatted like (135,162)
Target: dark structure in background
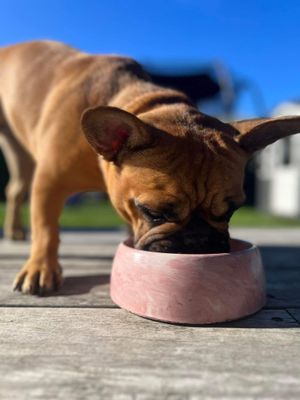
(212,84)
(197,86)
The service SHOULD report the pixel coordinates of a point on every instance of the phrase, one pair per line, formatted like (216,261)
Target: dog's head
(175,174)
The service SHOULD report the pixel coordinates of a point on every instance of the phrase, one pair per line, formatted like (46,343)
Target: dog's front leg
(42,272)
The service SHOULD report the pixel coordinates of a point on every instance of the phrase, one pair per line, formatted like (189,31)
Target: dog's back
(31,72)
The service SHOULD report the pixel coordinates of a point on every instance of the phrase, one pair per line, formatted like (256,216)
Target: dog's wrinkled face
(177,181)
(178,200)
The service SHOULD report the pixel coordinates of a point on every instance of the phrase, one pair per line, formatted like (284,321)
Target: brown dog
(174,174)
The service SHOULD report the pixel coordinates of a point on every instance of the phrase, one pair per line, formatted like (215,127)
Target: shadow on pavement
(76,285)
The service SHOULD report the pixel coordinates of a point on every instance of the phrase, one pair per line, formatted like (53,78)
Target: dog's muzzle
(196,237)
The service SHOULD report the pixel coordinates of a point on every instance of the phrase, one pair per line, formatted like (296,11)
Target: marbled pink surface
(189,288)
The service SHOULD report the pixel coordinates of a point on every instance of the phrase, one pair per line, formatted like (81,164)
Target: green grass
(250,217)
(102,215)
(92,215)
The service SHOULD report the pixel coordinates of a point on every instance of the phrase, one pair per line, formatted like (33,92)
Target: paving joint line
(292,316)
(56,306)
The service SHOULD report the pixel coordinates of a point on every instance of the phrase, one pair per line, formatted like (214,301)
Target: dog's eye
(152,216)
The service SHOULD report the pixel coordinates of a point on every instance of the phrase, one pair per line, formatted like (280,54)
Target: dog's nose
(181,248)
(194,244)
(196,237)
(204,238)
(163,246)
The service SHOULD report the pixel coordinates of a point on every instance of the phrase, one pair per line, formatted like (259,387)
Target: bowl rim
(249,247)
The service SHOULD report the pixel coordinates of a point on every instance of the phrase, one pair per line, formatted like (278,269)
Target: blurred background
(236,59)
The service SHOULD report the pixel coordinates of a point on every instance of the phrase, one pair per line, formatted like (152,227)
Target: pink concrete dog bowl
(189,288)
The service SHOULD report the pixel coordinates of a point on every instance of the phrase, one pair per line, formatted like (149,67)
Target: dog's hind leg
(20,166)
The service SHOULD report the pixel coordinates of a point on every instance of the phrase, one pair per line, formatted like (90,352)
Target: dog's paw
(36,278)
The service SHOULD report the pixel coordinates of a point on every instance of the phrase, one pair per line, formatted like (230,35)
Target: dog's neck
(155,105)
(141,97)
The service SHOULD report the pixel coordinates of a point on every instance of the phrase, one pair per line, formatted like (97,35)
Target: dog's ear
(109,130)
(255,134)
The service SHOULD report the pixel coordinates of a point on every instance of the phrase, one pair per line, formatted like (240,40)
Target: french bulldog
(90,122)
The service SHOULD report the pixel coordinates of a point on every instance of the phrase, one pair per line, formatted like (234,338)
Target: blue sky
(258,40)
